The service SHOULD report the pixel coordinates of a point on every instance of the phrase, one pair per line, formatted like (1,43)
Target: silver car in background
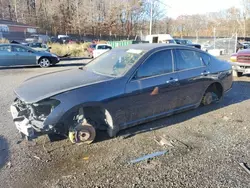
(19,55)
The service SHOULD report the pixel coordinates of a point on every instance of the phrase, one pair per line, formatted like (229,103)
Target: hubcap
(44,62)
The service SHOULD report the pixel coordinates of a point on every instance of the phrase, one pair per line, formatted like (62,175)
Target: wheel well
(217,88)
(98,116)
(41,58)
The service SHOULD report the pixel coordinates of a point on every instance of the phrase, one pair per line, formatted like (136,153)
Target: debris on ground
(245,167)
(239,121)
(225,118)
(149,156)
(9,165)
(163,141)
(85,158)
(19,141)
(38,158)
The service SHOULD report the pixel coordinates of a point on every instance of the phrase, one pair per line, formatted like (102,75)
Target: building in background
(16,31)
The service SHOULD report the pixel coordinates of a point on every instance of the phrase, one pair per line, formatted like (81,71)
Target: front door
(153,89)
(6,56)
(193,76)
(23,56)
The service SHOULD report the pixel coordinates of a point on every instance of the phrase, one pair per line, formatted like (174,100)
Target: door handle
(172,80)
(205,73)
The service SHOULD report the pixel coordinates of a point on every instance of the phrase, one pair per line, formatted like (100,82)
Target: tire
(44,62)
(210,96)
(112,132)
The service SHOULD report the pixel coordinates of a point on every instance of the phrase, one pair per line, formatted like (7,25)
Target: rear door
(154,87)
(7,57)
(23,56)
(193,76)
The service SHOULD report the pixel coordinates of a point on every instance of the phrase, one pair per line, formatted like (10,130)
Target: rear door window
(157,64)
(205,58)
(19,49)
(187,59)
(5,48)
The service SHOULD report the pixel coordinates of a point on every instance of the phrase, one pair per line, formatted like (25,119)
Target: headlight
(233,58)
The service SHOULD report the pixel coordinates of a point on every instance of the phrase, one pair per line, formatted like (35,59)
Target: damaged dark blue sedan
(124,87)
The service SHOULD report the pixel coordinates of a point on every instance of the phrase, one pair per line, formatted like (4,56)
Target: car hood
(40,49)
(42,53)
(47,85)
(244,52)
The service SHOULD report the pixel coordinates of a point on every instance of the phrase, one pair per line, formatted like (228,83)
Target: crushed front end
(29,118)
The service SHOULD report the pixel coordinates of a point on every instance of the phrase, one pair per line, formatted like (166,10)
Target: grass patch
(75,50)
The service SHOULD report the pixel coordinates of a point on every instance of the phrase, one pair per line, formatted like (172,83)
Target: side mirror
(30,51)
(49,47)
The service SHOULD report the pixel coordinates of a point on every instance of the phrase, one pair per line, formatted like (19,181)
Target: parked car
(100,49)
(241,62)
(124,87)
(90,49)
(187,42)
(160,38)
(19,55)
(38,46)
(38,38)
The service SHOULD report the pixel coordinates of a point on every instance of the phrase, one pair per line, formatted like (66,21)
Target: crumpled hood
(43,86)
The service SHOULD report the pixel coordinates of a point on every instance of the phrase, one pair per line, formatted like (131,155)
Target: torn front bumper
(22,123)
(30,118)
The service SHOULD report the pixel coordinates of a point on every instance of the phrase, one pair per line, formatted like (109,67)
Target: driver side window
(157,64)
(19,49)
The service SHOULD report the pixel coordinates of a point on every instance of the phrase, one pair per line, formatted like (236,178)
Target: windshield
(115,62)
(36,45)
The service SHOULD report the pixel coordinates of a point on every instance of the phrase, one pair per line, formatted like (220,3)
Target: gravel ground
(204,147)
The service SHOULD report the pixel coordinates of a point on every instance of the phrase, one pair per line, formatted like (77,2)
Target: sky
(180,7)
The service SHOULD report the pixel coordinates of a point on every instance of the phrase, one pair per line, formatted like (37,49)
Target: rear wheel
(212,94)
(44,62)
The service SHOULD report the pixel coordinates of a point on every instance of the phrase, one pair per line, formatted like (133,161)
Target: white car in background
(100,49)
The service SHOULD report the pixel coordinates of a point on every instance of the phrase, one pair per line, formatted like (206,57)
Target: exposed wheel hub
(82,133)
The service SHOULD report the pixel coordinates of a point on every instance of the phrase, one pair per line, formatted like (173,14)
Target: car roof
(149,46)
(11,44)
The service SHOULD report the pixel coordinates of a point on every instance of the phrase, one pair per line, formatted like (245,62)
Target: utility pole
(151,13)
(214,36)
(151,17)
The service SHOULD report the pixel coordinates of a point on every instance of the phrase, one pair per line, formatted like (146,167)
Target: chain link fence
(219,46)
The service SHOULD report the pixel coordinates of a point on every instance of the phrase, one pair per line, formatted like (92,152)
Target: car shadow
(35,66)
(240,92)
(69,65)
(4,151)
(74,58)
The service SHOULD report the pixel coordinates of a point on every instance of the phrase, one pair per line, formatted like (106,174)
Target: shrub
(3,41)
(75,50)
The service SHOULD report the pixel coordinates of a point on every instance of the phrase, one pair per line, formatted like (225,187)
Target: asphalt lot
(204,147)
